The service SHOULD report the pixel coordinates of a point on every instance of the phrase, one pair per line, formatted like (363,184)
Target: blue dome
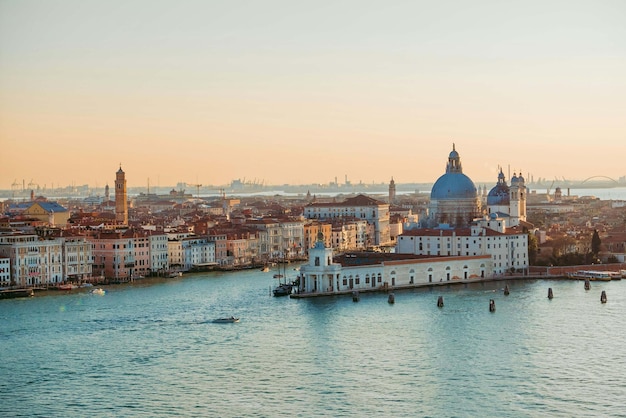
(453,185)
(499,195)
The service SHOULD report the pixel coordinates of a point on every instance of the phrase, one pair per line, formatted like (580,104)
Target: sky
(305,92)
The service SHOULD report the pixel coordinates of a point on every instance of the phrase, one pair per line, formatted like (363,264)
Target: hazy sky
(306,91)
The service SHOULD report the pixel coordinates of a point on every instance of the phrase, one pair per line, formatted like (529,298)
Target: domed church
(454,199)
(508,202)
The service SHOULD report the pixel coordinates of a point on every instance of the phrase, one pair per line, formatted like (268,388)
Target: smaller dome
(514,179)
(499,195)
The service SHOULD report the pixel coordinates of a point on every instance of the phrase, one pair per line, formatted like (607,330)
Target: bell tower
(121,199)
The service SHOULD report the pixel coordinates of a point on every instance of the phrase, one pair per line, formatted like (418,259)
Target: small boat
(226,320)
(282,290)
(86,285)
(99,291)
(265,269)
(67,286)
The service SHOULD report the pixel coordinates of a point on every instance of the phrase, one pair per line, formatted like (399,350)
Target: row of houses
(79,253)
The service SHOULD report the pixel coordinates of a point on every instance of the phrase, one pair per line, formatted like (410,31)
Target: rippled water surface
(151,350)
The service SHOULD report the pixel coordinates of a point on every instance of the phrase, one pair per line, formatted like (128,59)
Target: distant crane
(15,187)
(197,186)
(32,183)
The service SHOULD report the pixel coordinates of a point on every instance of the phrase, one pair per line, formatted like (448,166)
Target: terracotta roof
(360,200)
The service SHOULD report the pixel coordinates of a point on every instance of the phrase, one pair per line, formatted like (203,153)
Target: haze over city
(306,92)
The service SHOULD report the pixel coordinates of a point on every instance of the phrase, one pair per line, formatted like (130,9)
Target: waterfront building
(198,252)
(121,198)
(33,261)
(159,261)
(5,271)
(362,207)
(507,247)
(114,254)
(175,252)
(78,258)
(454,198)
(355,271)
(141,245)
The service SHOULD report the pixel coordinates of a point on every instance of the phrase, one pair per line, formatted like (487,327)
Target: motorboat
(99,291)
(228,320)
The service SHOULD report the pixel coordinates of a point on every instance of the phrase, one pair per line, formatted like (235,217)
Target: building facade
(361,207)
(379,271)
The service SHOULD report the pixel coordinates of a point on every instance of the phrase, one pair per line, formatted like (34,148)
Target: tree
(595,243)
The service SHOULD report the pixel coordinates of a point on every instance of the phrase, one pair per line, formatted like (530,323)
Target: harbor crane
(197,186)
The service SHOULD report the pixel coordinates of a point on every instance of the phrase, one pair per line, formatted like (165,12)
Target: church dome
(453,186)
(499,195)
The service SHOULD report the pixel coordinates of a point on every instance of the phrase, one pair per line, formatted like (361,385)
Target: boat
(283,289)
(228,320)
(265,269)
(86,285)
(99,291)
(16,293)
(592,275)
(67,286)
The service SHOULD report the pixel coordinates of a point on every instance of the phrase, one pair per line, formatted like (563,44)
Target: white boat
(99,291)
(592,275)
(230,319)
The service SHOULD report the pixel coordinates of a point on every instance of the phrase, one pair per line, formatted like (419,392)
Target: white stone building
(5,271)
(159,261)
(507,247)
(377,271)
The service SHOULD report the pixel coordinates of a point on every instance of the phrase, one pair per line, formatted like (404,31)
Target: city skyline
(304,93)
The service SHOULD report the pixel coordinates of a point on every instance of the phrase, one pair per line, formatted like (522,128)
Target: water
(151,350)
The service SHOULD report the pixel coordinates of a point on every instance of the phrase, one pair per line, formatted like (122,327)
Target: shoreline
(389,289)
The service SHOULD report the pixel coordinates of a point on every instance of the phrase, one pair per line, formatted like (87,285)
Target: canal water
(151,350)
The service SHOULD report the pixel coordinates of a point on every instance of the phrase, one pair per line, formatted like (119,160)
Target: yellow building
(50,212)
